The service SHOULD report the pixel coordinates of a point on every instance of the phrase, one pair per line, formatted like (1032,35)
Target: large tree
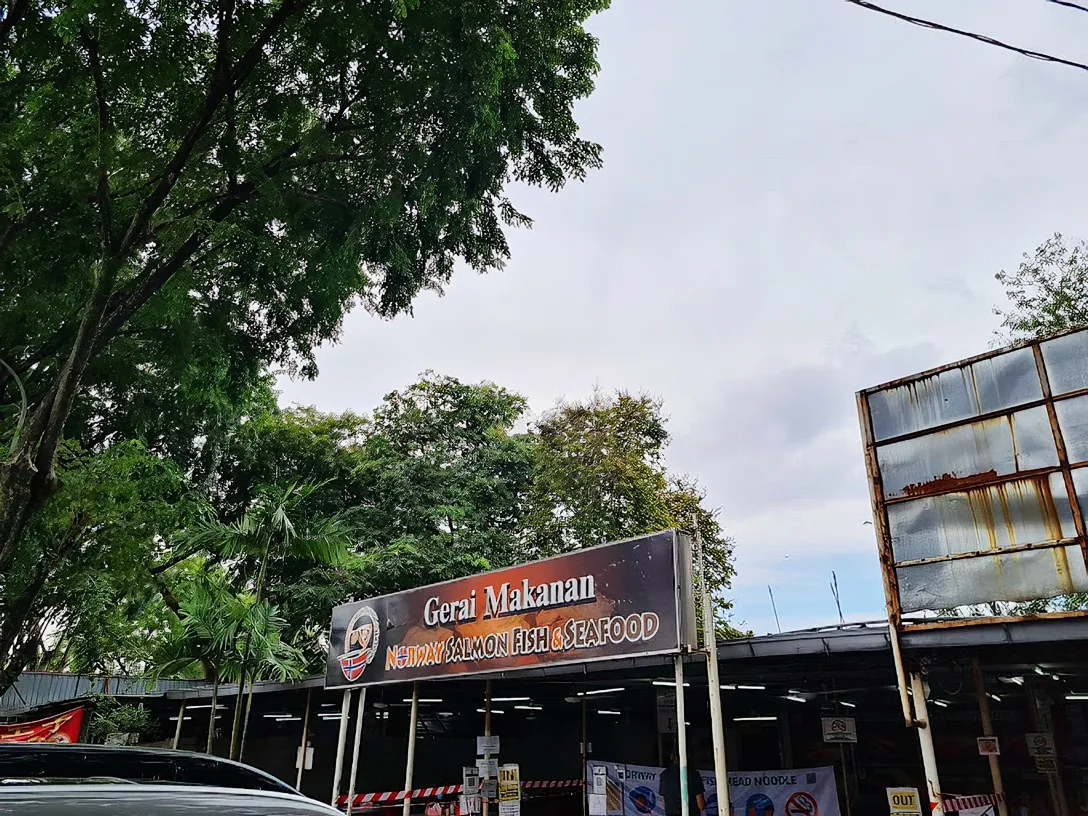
(192,192)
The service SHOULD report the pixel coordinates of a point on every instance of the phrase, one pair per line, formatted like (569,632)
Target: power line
(982,38)
(1067,4)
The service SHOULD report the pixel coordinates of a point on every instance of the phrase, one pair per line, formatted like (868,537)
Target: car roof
(161,800)
(132,763)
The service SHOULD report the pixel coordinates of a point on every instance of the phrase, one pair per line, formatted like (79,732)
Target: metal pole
(302,745)
(355,748)
(988,731)
(411,749)
(925,740)
(177,731)
(682,736)
(710,638)
(487,733)
(585,759)
(341,741)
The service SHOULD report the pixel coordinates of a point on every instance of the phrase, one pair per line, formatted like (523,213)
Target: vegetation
(194,193)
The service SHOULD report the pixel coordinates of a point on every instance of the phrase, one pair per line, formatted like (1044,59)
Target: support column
(341,741)
(302,743)
(355,748)
(487,733)
(181,718)
(710,640)
(988,731)
(682,736)
(925,740)
(585,759)
(411,750)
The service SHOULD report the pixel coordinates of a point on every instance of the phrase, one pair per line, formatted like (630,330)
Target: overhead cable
(982,38)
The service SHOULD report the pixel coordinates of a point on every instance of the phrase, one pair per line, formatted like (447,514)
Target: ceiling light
(175,719)
(612,712)
(795,698)
(1055,678)
(1076,696)
(426,700)
(995,698)
(203,705)
(752,688)
(1019,681)
(668,683)
(796,691)
(845,704)
(1039,670)
(940,703)
(276,716)
(755,719)
(510,699)
(288,719)
(600,691)
(493,711)
(529,707)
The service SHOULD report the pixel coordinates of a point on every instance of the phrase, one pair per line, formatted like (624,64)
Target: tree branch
(15,13)
(103,193)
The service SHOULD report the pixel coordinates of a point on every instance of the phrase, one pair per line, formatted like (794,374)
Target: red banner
(61,728)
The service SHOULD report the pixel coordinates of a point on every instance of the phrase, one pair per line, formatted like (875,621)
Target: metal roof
(34,689)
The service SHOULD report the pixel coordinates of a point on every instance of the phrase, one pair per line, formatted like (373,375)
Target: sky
(799,199)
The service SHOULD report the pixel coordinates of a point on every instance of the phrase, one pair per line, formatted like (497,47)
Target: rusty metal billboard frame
(945,486)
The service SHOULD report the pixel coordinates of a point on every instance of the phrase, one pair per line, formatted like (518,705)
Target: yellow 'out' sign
(902,801)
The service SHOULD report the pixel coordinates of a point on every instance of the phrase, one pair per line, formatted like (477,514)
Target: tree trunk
(211,717)
(261,572)
(236,720)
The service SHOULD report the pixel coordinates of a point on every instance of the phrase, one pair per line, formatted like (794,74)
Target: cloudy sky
(800,199)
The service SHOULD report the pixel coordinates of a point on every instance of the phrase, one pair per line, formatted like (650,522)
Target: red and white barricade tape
(388,797)
(958,803)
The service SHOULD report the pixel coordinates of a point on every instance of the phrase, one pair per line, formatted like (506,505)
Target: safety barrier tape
(444,790)
(953,802)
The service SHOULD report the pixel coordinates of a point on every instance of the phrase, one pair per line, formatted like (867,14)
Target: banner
(61,728)
(633,790)
(616,600)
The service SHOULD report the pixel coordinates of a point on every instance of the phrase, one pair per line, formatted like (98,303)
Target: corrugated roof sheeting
(34,689)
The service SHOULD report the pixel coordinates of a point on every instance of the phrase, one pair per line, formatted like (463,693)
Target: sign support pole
(681,736)
(585,759)
(411,750)
(925,740)
(302,744)
(988,731)
(710,638)
(355,748)
(487,733)
(341,741)
(177,731)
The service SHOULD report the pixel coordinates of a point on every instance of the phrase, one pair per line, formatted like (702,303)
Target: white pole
(177,731)
(487,733)
(355,748)
(411,749)
(925,739)
(682,735)
(988,731)
(302,745)
(717,728)
(341,741)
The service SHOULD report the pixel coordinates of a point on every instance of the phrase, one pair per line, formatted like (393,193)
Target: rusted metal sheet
(975,497)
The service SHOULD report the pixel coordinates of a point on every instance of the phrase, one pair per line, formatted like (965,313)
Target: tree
(1047,293)
(599,476)
(274,530)
(191,194)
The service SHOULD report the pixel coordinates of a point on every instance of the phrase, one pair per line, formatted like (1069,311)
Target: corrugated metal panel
(34,689)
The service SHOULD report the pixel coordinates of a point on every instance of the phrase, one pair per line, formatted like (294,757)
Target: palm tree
(214,622)
(274,528)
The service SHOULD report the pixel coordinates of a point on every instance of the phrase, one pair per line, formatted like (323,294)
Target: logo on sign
(643,799)
(759,804)
(802,803)
(360,643)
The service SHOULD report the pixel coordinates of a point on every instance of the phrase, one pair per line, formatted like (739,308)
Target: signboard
(61,728)
(487,745)
(509,783)
(972,469)
(989,746)
(1040,745)
(1046,765)
(306,760)
(904,801)
(470,780)
(488,768)
(616,600)
(470,803)
(840,729)
(634,790)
